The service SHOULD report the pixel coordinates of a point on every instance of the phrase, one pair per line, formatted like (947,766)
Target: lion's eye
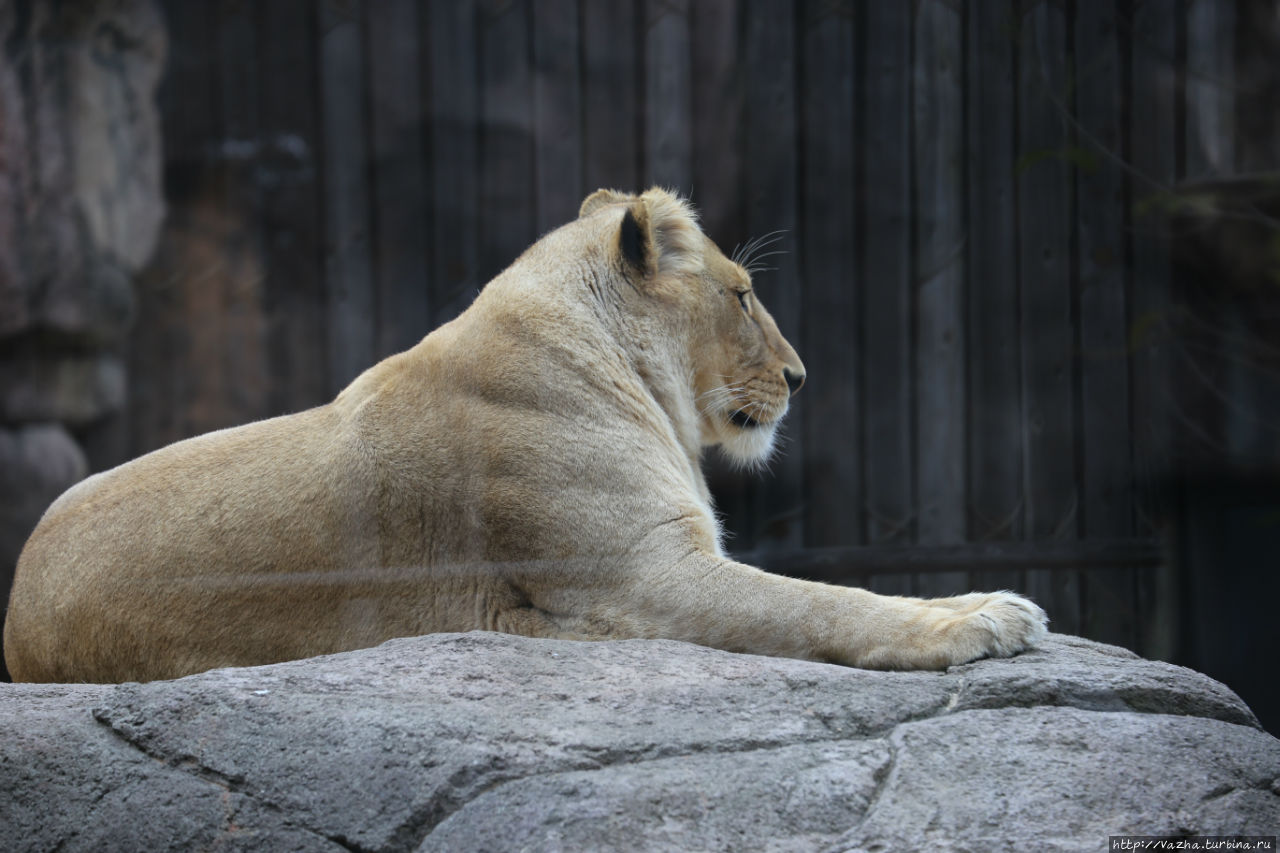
(742,299)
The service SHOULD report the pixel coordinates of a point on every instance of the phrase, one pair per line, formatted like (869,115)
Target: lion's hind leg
(529,621)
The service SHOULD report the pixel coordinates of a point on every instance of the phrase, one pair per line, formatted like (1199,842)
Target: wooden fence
(975,272)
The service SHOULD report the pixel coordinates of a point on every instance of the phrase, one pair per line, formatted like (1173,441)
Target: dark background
(1032,260)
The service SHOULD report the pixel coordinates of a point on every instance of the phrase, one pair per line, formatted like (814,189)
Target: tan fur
(531,467)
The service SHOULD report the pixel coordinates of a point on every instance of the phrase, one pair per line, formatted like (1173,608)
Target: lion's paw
(996,624)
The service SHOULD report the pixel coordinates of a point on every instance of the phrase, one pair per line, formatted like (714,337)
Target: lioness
(532,467)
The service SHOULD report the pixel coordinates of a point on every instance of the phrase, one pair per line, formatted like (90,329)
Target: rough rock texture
(80,210)
(492,742)
(80,194)
(69,389)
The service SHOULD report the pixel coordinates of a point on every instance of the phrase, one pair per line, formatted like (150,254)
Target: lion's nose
(794,380)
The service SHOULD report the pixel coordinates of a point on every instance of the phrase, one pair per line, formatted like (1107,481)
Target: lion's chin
(750,445)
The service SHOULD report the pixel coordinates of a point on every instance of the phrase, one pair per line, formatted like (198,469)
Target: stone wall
(80,208)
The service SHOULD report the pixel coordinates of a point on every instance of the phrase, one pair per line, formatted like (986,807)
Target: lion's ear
(659,232)
(674,236)
(602,198)
(635,239)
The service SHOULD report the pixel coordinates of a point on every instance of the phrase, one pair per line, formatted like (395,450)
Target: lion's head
(741,370)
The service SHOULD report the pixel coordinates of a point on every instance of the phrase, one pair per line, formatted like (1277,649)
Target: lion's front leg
(720,603)
(947,631)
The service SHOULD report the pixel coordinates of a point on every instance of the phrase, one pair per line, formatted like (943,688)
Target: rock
(493,742)
(113,125)
(37,463)
(13,301)
(71,389)
(95,309)
(80,161)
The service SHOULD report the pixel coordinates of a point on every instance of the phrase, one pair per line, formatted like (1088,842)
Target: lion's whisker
(756,244)
(749,256)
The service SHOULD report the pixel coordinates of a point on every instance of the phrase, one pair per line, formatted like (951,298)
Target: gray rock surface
(491,742)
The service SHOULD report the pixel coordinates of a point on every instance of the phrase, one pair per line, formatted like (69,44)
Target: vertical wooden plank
(1211,385)
(236,43)
(828,241)
(294,293)
(886,284)
(1108,595)
(1044,203)
(506,135)
(189,86)
(166,418)
(772,174)
(1257,43)
(995,401)
(1210,95)
(399,199)
(1152,152)
(557,113)
(1209,390)
(242,344)
(717,120)
(668,95)
(1257,148)
(610,88)
(938,155)
(197,347)
(156,386)
(1211,153)
(452,39)
(348,273)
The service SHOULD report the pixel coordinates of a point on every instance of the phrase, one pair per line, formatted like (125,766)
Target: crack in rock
(415,831)
(540,788)
(882,776)
(230,785)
